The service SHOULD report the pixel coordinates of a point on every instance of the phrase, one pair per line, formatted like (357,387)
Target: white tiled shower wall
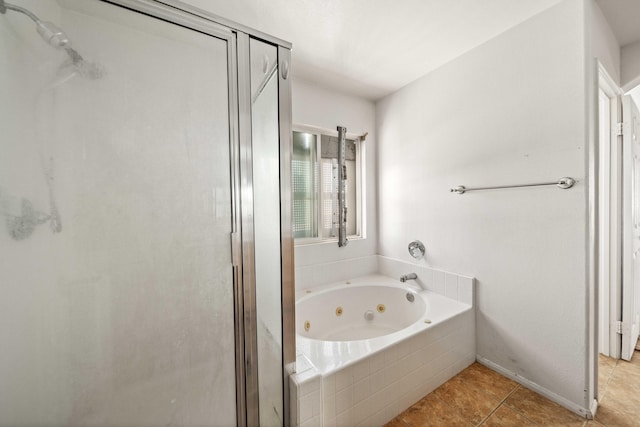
(376,389)
(318,274)
(452,285)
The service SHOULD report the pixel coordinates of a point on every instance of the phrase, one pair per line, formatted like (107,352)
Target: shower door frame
(236,37)
(287,266)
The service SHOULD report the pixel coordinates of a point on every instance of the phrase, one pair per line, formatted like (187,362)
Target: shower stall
(146,252)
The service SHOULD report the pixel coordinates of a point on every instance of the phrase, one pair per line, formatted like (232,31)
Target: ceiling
(624,19)
(371,48)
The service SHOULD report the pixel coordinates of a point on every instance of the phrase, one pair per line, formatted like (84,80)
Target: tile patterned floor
(619,391)
(479,396)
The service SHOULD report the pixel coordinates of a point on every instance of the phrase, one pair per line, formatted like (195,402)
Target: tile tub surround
(452,285)
(310,276)
(372,390)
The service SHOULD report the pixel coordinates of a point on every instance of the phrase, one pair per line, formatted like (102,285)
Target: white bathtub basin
(356,371)
(333,341)
(357,312)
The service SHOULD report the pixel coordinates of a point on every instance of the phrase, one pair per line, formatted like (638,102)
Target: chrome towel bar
(563,183)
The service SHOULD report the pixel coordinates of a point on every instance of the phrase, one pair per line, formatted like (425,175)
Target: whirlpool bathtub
(373,346)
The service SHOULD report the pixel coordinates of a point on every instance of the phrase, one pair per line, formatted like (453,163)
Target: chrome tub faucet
(410,276)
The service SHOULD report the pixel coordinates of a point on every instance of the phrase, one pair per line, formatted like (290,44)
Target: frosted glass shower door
(267,235)
(117,302)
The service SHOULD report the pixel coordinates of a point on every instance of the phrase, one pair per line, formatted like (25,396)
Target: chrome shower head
(57,38)
(47,30)
(53,35)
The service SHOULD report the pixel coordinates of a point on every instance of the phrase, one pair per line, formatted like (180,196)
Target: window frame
(359,185)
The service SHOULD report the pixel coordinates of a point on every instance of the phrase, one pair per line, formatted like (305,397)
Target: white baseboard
(593,409)
(573,407)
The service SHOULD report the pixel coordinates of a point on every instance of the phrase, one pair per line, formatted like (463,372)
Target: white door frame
(610,215)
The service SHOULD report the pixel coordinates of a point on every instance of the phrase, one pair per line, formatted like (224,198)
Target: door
(631,227)
(265,135)
(116,200)
(609,215)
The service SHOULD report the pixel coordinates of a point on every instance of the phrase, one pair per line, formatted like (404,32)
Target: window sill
(313,242)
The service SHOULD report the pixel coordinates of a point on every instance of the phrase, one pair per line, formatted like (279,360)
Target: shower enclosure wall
(145,238)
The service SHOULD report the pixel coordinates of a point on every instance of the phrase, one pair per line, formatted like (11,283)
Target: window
(315,185)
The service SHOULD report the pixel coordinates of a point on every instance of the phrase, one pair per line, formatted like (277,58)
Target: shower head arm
(6,6)
(57,38)
(47,30)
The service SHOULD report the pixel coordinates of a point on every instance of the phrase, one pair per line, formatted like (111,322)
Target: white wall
(604,44)
(511,111)
(316,106)
(630,63)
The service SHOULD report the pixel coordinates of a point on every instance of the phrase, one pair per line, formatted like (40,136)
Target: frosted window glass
(315,186)
(304,169)
(126,316)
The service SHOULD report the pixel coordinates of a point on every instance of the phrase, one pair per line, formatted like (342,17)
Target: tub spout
(410,276)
